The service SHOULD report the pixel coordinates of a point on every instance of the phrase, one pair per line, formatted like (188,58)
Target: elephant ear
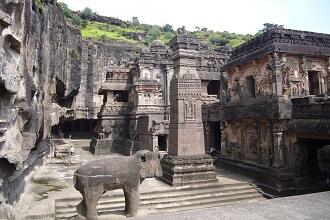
(143,155)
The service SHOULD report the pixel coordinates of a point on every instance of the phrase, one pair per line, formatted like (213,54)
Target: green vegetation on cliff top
(133,32)
(107,32)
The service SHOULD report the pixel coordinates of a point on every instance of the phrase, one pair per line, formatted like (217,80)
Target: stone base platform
(273,181)
(188,170)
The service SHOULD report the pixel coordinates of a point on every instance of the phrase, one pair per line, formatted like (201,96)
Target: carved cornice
(283,41)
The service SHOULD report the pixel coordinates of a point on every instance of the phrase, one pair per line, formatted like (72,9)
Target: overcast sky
(240,16)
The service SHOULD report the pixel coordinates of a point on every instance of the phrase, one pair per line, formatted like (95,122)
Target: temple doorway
(213,88)
(313,83)
(215,136)
(162,142)
(307,166)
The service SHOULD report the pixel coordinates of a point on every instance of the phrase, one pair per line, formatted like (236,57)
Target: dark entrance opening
(250,83)
(307,165)
(162,142)
(79,129)
(121,96)
(215,136)
(213,87)
(313,83)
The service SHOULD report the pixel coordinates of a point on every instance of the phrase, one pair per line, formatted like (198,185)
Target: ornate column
(278,74)
(186,162)
(328,77)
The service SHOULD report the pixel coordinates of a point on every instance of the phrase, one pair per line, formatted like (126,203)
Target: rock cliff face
(47,73)
(39,64)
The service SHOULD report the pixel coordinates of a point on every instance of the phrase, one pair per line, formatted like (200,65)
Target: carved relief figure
(235,92)
(224,92)
(265,81)
(292,83)
(159,128)
(190,110)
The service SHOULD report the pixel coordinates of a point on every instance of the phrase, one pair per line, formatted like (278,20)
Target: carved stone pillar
(224,139)
(186,162)
(207,134)
(278,74)
(304,76)
(328,77)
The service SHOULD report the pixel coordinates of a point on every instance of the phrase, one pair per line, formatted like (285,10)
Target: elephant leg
(81,208)
(132,200)
(91,196)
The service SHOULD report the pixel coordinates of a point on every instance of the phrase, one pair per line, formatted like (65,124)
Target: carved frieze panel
(190,110)
(251,148)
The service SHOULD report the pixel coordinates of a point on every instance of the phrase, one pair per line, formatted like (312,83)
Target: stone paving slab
(310,206)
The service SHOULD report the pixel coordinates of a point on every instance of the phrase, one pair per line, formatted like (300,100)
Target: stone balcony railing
(149,108)
(120,108)
(116,84)
(208,99)
(84,112)
(117,80)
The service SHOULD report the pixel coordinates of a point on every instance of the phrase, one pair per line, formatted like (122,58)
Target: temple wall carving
(274,108)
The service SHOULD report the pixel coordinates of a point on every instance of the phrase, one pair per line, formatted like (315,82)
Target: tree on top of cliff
(168,28)
(135,21)
(87,13)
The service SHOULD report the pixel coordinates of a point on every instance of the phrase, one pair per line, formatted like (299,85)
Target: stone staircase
(170,200)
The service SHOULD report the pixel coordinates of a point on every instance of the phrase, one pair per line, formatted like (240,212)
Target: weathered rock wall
(47,74)
(39,64)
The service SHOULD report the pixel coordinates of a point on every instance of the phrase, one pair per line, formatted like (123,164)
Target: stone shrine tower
(186,162)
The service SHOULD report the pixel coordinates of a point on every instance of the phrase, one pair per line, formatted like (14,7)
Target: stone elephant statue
(123,172)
